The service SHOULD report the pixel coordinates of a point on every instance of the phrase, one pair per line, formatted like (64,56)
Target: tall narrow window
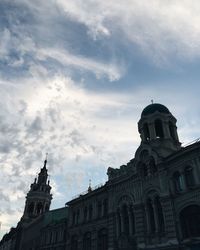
(151,217)
(90,211)
(159,129)
(105,207)
(125,219)
(189,176)
(99,209)
(153,166)
(132,220)
(102,240)
(160,216)
(85,213)
(145,169)
(39,208)
(146,132)
(178,181)
(31,208)
(74,242)
(87,241)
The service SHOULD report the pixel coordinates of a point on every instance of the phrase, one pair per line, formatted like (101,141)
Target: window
(85,213)
(189,176)
(74,242)
(105,207)
(73,218)
(159,212)
(190,221)
(99,209)
(146,132)
(150,211)
(90,212)
(178,181)
(132,220)
(87,241)
(145,169)
(159,129)
(125,219)
(39,208)
(102,240)
(152,166)
(30,208)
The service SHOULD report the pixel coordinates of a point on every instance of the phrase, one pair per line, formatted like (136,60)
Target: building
(153,202)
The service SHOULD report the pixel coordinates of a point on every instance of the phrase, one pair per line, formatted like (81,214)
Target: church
(152,202)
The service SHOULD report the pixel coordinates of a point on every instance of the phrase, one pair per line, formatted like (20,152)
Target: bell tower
(38,198)
(157,128)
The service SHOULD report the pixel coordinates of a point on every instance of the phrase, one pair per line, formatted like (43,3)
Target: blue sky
(75,76)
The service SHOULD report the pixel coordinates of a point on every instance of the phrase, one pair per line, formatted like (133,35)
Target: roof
(55,215)
(154,107)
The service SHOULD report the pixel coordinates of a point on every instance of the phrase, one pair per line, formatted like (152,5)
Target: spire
(89,188)
(45,161)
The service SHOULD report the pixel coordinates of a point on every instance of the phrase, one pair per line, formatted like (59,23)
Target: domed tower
(157,128)
(39,198)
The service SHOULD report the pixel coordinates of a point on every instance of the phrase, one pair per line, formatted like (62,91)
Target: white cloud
(159,28)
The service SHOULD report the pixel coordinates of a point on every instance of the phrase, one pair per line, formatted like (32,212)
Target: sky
(75,76)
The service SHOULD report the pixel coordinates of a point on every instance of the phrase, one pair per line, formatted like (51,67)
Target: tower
(158,131)
(38,198)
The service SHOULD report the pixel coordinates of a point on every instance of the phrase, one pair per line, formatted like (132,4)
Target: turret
(38,198)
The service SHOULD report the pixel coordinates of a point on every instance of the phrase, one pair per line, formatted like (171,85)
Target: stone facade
(153,202)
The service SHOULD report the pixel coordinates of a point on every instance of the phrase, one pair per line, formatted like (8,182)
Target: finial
(89,188)
(152,101)
(45,162)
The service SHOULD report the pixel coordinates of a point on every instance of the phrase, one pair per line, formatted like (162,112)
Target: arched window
(160,216)
(125,219)
(74,242)
(119,220)
(146,132)
(102,240)
(152,166)
(39,208)
(105,207)
(152,225)
(171,130)
(159,129)
(90,211)
(77,216)
(189,176)
(30,208)
(145,169)
(85,213)
(190,221)
(178,181)
(87,241)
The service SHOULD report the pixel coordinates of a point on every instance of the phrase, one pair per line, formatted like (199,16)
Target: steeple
(38,198)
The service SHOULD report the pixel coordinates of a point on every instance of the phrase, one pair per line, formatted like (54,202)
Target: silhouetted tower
(39,198)
(158,131)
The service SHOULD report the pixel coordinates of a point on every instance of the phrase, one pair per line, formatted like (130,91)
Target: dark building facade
(152,202)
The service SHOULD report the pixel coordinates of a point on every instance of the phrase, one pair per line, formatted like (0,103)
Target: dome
(152,108)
